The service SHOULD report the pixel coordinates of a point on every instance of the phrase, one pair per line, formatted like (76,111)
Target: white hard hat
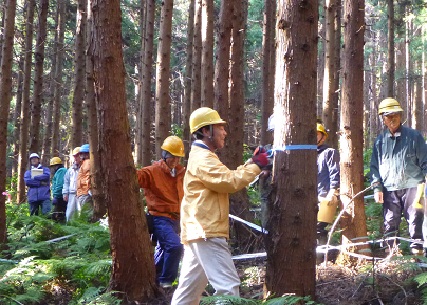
(34,155)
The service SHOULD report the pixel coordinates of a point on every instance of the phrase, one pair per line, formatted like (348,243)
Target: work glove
(260,157)
(419,198)
(379,197)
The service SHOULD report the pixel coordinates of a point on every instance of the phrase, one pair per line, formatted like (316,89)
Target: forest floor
(388,282)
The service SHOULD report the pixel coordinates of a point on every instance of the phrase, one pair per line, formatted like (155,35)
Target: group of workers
(66,189)
(189,206)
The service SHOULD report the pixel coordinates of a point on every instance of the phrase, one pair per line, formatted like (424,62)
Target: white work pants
(206,260)
(71,206)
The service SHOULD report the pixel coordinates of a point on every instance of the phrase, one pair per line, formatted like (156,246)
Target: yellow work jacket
(207,183)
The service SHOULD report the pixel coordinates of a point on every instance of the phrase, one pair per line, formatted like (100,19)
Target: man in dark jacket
(37,180)
(398,170)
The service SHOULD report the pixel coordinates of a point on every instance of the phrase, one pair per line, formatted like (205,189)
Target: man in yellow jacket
(205,208)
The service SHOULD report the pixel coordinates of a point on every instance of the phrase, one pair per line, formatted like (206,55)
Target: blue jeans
(396,203)
(169,249)
(46,206)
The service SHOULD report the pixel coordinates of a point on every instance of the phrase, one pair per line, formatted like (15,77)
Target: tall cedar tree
(351,127)
(25,108)
(331,74)
(133,266)
(163,101)
(38,78)
(291,241)
(5,98)
(79,74)
(147,72)
(196,80)
(207,53)
(186,137)
(268,64)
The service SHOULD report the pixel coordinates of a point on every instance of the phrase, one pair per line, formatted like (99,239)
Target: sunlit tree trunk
(351,127)
(77,138)
(163,107)
(38,77)
(132,261)
(5,98)
(207,53)
(291,241)
(26,91)
(147,72)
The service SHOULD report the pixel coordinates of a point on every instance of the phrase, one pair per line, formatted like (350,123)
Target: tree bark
(351,128)
(268,56)
(38,78)
(391,50)
(196,83)
(207,53)
(133,267)
(290,244)
(163,107)
(188,80)
(5,98)
(25,109)
(330,89)
(147,68)
(77,138)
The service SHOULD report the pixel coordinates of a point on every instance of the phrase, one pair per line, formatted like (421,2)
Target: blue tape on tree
(296,147)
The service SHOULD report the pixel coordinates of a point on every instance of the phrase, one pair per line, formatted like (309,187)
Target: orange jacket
(163,192)
(83,178)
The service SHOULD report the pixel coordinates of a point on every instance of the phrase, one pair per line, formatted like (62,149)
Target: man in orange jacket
(163,189)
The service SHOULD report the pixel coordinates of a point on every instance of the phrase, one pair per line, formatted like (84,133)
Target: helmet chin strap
(211,132)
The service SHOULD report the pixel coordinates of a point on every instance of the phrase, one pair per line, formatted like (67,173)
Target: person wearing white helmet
(205,209)
(398,170)
(69,189)
(163,190)
(37,180)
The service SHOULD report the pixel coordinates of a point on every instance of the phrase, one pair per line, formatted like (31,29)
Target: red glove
(260,157)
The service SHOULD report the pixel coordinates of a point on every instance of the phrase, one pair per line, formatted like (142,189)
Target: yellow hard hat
(322,129)
(389,105)
(174,145)
(203,117)
(76,151)
(55,161)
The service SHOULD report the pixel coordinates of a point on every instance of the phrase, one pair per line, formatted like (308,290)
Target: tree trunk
(58,79)
(133,266)
(77,138)
(291,242)
(196,83)
(391,50)
(25,109)
(17,121)
(351,128)
(38,78)
(268,52)
(188,80)
(207,53)
(222,60)
(330,100)
(5,98)
(147,68)
(163,107)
